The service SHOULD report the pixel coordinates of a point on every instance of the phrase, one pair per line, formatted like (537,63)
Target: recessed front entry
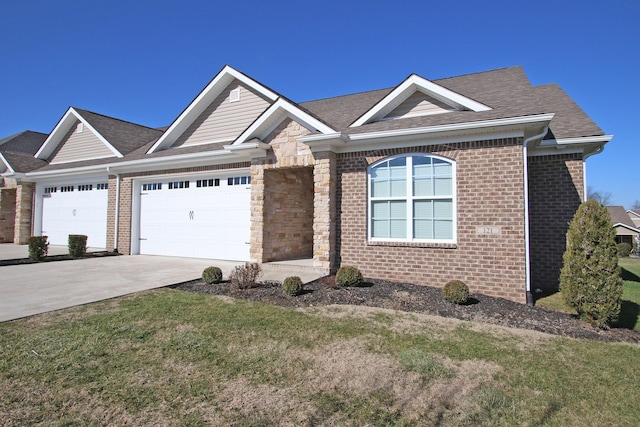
(197,217)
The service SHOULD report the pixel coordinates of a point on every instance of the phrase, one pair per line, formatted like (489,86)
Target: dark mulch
(20,261)
(420,299)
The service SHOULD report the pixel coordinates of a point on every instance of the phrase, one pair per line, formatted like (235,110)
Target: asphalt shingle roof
(507,91)
(124,136)
(23,162)
(23,142)
(619,215)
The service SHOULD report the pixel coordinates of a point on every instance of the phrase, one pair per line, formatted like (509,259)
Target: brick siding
(550,213)
(490,193)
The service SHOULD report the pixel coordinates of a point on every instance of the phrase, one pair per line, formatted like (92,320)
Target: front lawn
(630,310)
(167,357)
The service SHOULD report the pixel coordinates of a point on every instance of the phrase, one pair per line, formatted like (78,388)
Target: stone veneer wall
(7,214)
(24,213)
(550,213)
(490,193)
(288,214)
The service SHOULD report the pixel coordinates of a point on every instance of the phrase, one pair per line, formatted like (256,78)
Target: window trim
(409,198)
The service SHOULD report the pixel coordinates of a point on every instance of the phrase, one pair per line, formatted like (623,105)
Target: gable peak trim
(275,114)
(407,88)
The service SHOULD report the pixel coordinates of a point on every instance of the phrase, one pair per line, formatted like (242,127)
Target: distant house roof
(620,217)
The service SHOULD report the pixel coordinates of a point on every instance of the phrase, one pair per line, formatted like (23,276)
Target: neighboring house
(626,229)
(17,157)
(634,214)
(472,177)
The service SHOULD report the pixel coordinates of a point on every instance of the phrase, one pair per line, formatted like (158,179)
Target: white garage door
(75,209)
(199,217)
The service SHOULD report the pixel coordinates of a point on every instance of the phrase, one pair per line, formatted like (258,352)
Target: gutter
(525,149)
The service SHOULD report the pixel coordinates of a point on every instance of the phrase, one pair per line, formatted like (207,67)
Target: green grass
(630,310)
(170,358)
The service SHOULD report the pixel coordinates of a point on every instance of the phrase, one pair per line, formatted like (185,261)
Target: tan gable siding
(419,104)
(80,146)
(224,120)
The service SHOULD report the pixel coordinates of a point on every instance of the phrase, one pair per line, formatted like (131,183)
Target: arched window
(412,198)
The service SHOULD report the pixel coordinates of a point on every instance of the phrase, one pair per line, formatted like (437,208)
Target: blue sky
(144,61)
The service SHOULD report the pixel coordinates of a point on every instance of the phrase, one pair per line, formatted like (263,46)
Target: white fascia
(61,129)
(619,224)
(274,115)
(203,100)
(498,128)
(416,83)
(585,145)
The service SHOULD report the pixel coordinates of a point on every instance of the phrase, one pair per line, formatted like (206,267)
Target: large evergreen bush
(590,277)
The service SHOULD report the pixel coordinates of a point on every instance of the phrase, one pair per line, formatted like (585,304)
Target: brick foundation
(490,193)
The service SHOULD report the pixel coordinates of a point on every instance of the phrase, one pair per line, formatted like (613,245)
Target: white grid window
(412,198)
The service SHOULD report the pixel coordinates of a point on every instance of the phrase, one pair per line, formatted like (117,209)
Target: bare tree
(602,197)
(636,205)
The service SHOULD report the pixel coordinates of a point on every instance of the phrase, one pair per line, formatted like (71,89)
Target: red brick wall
(556,189)
(490,193)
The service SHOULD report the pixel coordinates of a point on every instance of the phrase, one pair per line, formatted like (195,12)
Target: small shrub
(245,276)
(77,245)
(590,277)
(38,247)
(456,292)
(348,276)
(212,275)
(624,249)
(292,286)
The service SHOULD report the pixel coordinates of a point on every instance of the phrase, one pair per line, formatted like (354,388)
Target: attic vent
(80,127)
(234,95)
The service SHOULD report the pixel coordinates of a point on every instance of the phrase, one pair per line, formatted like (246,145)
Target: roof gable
(69,130)
(206,97)
(409,87)
(276,114)
(230,113)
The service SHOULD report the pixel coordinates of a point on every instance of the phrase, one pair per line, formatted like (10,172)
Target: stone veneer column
(257,213)
(324,207)
(7,214)
(24,212)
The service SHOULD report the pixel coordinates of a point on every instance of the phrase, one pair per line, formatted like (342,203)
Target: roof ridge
(80,110)
(347,94)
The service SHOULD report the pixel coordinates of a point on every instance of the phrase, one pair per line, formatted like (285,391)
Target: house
(473,177)
(627,230)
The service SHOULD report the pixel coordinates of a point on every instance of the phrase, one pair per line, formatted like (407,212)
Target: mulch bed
(419,299)
(20,261)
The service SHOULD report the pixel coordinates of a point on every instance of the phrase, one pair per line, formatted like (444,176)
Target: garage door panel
(75,212)
(204,222)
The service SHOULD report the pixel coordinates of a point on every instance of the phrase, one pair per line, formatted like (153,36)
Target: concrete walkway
(31,289)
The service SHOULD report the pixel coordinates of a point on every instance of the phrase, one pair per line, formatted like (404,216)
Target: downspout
(585,195)
(525,153)
(117,213)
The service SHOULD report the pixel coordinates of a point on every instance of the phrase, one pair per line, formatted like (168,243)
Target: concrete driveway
(31,289)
